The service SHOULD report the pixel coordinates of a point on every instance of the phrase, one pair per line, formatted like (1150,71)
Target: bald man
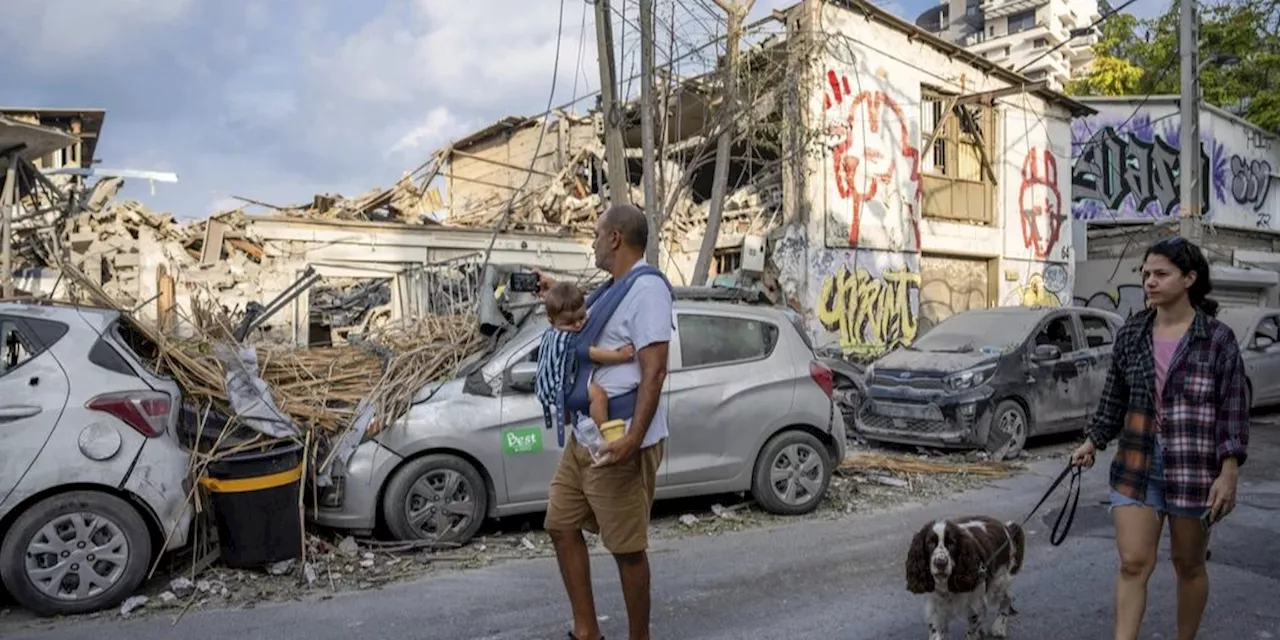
(614,499)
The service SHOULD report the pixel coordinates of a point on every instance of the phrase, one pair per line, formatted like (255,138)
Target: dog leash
(1060,528)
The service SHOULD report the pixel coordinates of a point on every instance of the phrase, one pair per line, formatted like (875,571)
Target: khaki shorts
(612,501)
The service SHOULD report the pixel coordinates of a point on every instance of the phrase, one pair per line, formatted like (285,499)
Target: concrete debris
(688,520)
(182,587)
(132,604)
(404,202)
(280,568)
(348,546)
(347,304)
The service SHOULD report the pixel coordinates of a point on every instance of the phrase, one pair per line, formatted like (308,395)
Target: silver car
(749,405)
(93,481)
(1258,332)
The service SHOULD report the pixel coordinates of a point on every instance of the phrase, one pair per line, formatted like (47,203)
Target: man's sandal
(573,637)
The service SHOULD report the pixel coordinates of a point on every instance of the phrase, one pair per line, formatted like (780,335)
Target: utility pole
(613,152)
(1189,207)
(653,208)
(9,205)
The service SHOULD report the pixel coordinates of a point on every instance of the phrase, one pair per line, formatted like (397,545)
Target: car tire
(111,516)
(1008,444)
(418,486)
(793,455)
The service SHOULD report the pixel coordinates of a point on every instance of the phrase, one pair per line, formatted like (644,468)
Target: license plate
(901,411)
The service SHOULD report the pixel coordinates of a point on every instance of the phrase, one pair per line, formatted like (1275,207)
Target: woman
(1175,397)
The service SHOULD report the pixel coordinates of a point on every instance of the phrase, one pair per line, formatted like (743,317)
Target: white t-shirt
(641,319)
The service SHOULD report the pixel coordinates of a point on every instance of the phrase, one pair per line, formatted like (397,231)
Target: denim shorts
(1155,492)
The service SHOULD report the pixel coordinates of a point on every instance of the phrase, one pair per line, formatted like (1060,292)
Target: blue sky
(279,100)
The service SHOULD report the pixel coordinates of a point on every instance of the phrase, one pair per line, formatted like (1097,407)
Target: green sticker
(522,440)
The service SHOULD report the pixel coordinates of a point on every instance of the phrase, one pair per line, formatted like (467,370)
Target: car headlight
(969,378)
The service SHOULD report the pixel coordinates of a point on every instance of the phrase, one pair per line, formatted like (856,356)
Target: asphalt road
(828,579)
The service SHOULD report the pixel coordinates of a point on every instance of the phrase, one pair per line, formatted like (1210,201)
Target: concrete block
(82,240)
(127,260)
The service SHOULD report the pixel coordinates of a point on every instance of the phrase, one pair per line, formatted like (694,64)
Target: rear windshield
(147,352)
(981,331)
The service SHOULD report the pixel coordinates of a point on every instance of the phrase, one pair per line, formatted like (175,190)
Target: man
(613,498)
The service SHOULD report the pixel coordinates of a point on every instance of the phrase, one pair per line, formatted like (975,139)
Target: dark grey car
(991,378)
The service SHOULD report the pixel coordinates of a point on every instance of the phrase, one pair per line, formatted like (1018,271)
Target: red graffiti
(1040,203)
(871,138)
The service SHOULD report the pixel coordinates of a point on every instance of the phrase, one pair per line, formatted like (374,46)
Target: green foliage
(1139,56)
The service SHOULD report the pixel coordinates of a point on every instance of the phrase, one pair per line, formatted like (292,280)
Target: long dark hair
(1188,257)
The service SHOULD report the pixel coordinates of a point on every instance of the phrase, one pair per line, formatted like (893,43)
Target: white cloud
(59,33)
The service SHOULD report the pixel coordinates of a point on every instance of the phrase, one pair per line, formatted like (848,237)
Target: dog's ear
(967,571)
(919,578)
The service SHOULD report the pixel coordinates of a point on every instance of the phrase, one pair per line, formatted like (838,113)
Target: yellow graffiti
(873,314)
(1033,293)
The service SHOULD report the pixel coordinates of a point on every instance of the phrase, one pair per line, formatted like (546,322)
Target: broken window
(1097,331)
(958,180)
(1058,333)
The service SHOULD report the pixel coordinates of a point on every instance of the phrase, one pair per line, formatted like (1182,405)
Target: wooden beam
(982,144)
(938,128)
(989,97)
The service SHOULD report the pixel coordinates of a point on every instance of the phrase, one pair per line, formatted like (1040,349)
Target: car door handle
(17,412)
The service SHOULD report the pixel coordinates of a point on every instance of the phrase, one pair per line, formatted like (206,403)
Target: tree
(1238,39)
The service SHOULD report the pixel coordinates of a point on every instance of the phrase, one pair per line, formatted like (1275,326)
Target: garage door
(1237,296)
(950,285)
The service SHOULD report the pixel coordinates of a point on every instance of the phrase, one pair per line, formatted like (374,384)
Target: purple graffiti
(1129,169)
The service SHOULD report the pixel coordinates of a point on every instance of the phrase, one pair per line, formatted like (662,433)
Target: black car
(991,378)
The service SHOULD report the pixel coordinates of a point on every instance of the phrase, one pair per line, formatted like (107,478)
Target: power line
(533,159)
(1076,33)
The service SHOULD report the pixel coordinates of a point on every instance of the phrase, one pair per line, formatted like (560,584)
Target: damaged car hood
(939,362)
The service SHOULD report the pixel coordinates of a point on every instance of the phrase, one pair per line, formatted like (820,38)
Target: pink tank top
(1163,349)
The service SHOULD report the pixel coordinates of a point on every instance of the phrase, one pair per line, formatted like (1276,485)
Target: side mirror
(1045,353)
(1262,341)
(523,375)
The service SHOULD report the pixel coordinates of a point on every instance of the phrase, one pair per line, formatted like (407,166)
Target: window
(1040,43)
(1097,331)
(1267,333)
(17,347)
(1058,333)
(1022,21)
(708,340)
(957,181)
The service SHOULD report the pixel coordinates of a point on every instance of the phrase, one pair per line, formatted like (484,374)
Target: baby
(567,312)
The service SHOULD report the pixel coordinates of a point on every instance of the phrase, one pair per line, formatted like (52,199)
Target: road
(816,579)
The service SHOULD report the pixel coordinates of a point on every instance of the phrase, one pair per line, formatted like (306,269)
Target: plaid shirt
(1205,417)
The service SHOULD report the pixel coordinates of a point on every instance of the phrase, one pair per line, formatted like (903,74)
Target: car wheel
(437,497)
(791,473)
(74,553)
(1009,430)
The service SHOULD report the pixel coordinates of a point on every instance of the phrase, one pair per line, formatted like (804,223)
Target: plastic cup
(613,430)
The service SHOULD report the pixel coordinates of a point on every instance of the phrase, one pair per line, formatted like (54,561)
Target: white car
(93,481)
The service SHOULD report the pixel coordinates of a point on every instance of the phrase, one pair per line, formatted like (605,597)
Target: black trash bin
(255,504)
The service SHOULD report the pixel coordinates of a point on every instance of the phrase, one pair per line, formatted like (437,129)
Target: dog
(964,566)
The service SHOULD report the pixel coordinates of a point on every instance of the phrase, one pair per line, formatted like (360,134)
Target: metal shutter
(1237,296)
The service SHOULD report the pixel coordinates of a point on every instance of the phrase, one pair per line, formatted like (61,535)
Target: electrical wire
(1079,33)
(533,159)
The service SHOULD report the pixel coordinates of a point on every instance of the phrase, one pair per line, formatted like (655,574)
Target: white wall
(1239,165)
(855,269)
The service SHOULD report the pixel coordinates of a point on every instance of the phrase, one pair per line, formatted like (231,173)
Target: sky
(278,100)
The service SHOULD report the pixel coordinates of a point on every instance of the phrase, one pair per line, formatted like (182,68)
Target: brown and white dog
(966,565)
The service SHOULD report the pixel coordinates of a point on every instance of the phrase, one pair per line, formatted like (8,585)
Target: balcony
(1000,8)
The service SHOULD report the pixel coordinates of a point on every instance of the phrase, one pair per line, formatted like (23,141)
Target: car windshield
(1239,321)
(977,331)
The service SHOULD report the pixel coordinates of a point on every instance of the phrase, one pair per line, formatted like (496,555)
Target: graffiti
(1040,202)
(949,286)
(1112,168)
(1250,182)
(1125,300)
(875,167)
(1035,293)
(1055,278)
(872,313)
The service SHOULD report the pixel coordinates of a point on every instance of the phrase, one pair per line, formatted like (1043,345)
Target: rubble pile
(566,201)
(405,202)
(120,242)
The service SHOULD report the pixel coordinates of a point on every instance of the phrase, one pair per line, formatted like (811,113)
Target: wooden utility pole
(9,204)
(613,152)
(653,209)
(736,16)
(1189,177)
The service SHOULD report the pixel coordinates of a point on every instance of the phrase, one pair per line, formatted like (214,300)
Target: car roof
(96,317)
(729,308)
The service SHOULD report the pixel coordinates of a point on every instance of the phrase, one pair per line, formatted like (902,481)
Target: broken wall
(865,265)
